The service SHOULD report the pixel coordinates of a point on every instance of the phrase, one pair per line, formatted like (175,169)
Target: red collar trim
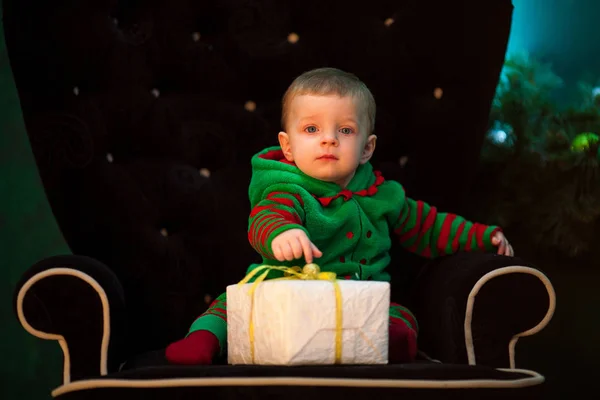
(347,194)
(277,155)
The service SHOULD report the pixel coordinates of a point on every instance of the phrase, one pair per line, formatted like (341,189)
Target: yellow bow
(309,272)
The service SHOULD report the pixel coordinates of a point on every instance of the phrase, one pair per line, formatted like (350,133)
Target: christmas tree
(541,161)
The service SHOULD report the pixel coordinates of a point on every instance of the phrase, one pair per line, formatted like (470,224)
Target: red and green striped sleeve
(425,231)
(277,213)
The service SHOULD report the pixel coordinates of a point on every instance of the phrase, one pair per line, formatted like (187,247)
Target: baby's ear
(369,149)
(284,142)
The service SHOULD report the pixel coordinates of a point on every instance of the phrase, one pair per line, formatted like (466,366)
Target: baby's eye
(346,131)
(311,129)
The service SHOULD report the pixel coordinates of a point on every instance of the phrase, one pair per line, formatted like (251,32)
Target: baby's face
(327,137)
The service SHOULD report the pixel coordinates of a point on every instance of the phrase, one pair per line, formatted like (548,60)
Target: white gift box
(294,322)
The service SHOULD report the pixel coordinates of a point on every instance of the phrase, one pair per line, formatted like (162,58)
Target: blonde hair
(330,81)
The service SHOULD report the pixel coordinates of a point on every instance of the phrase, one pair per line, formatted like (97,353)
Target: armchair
(143,116)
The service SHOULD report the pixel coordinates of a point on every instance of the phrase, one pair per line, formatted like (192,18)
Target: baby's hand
(290,245)
(504,248)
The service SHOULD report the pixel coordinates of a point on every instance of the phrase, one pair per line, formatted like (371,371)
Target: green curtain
(29,367)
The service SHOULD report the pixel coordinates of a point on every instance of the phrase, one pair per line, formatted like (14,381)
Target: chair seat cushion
(420,380)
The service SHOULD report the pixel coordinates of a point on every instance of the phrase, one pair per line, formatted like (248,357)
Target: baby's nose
(329,139)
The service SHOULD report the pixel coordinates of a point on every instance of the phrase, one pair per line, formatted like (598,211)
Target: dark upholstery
(121,54)
(143,116)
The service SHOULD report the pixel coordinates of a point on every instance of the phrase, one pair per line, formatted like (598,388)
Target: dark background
(561,31)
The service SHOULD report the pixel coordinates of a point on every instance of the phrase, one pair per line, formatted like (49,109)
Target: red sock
(198,348)
(403,344)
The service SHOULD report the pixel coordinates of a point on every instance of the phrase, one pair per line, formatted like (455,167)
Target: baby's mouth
(327,157)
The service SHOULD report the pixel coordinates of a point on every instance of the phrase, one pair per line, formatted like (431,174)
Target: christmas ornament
(501,134)
(584,141)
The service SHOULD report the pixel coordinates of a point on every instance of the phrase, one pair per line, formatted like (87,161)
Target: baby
(316,196)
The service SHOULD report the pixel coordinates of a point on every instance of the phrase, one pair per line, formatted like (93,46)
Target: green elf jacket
(353,227)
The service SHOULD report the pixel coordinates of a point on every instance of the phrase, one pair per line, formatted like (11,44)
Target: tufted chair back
(143,116)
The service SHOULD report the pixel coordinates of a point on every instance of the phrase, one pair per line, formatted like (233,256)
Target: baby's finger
(502,247)
(317,253)
(306,248)
(509,251)
(288,252)
(278,253)
(296,245)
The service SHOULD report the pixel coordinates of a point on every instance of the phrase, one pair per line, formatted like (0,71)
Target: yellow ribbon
(309,272)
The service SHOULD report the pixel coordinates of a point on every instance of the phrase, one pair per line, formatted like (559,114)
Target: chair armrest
(472,308)
(78,302)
